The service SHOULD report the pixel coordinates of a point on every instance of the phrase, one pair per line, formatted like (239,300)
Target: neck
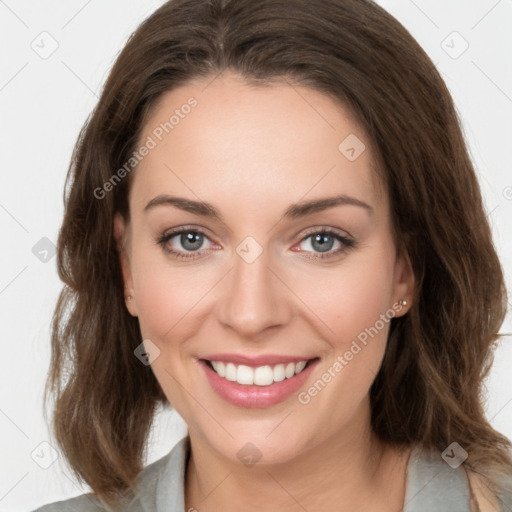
(351,468)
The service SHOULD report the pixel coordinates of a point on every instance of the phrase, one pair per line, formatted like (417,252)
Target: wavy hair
(429,389)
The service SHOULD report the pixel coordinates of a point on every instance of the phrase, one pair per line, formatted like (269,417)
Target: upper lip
(262,360)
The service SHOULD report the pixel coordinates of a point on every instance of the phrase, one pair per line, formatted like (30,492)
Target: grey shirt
(431,486)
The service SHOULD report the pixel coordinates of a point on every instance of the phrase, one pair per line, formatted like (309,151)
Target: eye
(190,240)
(188,244)
(323,242)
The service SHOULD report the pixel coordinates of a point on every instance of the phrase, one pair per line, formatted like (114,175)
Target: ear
(404,282)
(121,234)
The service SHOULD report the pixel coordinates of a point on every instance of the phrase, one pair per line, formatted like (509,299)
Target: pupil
(191,238)
(322,239)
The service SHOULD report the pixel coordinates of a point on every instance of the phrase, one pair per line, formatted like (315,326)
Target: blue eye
(192,240)
(323,241)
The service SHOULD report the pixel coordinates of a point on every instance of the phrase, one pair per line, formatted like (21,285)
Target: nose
(254,298)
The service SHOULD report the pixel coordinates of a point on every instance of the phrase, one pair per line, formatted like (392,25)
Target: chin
(254,445)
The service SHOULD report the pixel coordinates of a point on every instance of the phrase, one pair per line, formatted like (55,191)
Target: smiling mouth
(265,375)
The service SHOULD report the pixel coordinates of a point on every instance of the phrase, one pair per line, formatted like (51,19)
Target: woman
(326,332)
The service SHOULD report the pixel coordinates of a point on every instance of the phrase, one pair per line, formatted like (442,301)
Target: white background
(44,102)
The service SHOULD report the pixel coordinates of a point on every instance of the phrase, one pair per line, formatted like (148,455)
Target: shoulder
(435,483)
(484,499)
(83,503)
(168,469)
(443,483)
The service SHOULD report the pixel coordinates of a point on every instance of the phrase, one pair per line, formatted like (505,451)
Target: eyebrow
(294,211)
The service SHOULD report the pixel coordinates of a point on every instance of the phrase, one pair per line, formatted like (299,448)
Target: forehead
(231,143)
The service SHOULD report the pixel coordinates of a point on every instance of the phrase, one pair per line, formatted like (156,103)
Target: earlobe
(404,283)
(122,244)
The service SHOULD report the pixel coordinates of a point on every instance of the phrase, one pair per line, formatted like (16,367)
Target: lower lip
(256,396)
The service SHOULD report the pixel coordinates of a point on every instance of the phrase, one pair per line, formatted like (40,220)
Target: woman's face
(255,283)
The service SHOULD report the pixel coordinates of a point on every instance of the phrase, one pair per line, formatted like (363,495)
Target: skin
(252,151)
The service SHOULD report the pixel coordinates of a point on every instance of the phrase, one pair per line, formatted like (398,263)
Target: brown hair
(429,388)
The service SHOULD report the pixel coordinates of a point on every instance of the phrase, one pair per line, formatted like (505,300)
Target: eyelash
(192,255)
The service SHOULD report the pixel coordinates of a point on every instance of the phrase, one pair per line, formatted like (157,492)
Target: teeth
(263,375)
(260,376)
(279,373)
(290,370)
(300,366)
(231,372)
(245,375)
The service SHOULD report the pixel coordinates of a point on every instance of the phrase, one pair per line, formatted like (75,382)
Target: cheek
(350,299)
(360,306)
(165,296)
(355,306)
(157,308)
